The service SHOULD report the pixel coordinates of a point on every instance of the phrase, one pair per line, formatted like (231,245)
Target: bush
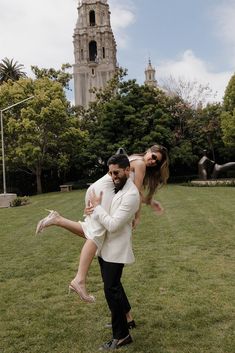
(20,201)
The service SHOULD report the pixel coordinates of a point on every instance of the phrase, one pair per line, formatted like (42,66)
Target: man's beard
(120,185)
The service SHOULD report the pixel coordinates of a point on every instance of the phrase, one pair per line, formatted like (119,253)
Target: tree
(228,128)
(128,115)
(134,117)
(228,115)
(191,92)
(10,70)
(41,135)
(60,76)
(182,157)
(205,131)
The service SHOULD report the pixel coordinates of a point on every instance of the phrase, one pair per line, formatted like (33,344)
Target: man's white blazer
(117,245)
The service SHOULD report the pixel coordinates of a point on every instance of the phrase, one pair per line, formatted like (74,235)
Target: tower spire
(150,75)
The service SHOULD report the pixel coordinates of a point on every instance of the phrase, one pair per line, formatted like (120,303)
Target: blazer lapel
(122,191)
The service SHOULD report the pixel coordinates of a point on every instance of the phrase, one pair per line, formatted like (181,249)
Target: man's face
(119,175)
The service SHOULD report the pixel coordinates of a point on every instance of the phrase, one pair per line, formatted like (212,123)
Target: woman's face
(152,158)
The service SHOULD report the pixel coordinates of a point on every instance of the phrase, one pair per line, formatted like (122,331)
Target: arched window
(103,52)
(92,18)
(92,51)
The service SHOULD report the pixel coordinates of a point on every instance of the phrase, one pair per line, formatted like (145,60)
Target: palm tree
(10,70)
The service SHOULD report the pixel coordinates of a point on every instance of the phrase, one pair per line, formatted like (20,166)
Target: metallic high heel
(47,221)
(83,297)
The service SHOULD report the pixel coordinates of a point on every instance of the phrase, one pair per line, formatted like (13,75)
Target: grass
(181,286)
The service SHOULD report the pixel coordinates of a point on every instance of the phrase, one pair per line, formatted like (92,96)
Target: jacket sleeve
(124,213)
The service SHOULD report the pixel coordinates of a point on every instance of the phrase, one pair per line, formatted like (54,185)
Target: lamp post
(2,139)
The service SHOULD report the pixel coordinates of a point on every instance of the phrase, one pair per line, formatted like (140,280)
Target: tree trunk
(38,180)
(211,146)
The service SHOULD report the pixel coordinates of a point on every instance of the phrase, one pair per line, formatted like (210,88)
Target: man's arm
(124,213)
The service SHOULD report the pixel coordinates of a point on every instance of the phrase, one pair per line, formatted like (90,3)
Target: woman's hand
(136,220)
(157,207)
(135,223)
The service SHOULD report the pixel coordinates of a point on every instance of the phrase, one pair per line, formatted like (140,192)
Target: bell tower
(150,75)
(94,49)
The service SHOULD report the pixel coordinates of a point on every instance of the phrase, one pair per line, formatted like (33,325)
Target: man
(116,249)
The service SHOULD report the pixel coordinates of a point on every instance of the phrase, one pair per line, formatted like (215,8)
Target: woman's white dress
(92,229)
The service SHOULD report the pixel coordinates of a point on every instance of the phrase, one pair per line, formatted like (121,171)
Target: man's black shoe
(125,341)
(131,324)
(115,344)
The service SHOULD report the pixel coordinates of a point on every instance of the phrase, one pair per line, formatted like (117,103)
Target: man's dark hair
(120,159)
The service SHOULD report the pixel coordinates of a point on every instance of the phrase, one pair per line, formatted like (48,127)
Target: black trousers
(115,296)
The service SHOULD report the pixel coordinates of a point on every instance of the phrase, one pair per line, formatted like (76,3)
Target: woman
(148,171)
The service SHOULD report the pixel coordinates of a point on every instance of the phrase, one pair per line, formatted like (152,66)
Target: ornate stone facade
(94,49)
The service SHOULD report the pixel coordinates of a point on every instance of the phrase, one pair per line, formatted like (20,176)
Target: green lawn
(181,286)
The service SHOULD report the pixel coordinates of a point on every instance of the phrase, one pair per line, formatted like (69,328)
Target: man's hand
(94,199)
(89,209)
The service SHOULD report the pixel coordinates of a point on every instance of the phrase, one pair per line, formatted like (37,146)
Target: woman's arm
(139,168)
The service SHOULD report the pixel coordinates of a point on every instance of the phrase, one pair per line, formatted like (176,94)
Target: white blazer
(117,245)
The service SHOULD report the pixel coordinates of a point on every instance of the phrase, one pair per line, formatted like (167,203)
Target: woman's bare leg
(78,284)
(55,219)
(71,226)
(86,257)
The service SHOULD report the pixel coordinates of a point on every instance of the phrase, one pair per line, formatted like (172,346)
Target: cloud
(41,32)
(191,68)
(225,24)
(122,16)
(37,32)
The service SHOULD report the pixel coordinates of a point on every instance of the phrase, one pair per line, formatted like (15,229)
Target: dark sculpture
(209,169)
(205,167)
(218,168)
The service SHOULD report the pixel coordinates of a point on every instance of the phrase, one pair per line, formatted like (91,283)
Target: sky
(185,39)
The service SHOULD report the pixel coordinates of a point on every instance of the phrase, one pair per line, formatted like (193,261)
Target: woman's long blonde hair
(156,176)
